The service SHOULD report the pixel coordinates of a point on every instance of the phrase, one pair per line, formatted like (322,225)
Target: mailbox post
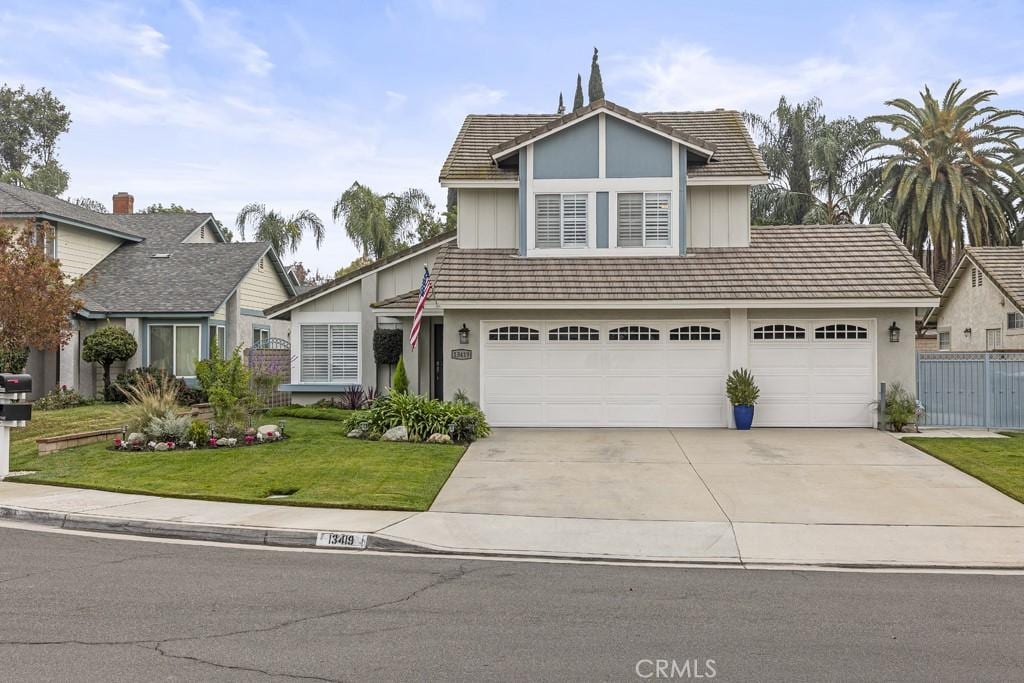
(14,389)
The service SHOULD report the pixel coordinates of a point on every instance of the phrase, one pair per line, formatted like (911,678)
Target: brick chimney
(123,203)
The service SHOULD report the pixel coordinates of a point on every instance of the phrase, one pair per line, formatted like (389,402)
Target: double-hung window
(561,220)
(329,354)
(260,336)
(217,334)
(174,348)
(1014,321)
(643,219)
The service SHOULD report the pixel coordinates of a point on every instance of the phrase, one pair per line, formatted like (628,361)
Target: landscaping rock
(357,433)
(399,433)
(439,438)
(161,447)
(136,437)
(223,442)
(268,431)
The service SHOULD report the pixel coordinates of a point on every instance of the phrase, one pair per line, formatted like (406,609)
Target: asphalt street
(76,607)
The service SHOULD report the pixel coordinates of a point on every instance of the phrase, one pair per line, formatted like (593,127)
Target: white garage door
(598,373)
(814,373)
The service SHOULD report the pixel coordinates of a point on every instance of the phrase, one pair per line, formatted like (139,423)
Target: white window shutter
(656,219)
(574,220)
(630,220)
(549,229)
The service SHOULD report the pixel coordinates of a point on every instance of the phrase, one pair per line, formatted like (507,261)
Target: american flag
(425,288)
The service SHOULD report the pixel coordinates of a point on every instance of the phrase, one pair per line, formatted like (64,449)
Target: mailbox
(15,384)
(15,412)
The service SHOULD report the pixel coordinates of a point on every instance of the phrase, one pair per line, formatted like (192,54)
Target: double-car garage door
(647,373)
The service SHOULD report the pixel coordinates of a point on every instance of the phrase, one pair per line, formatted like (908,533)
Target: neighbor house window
(993,339)
(329,353)
(1014,321)
(260,337)
(174,348)
(643,219)
(778,332)
(217,334)
(561,220)
(944,341)
(45,235)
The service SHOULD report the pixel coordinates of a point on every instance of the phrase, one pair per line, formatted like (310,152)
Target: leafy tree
(595,88)
(577,100)
(284,233)
(107,346)
(30,124)
(431,224)
(355,265)
(89,203)
(381,224)
(38,300)
(949,175)
(837,158)
(400,380)
(561,105)
(178,208)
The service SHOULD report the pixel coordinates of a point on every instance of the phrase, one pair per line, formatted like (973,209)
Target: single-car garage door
(604,374)
(814,373)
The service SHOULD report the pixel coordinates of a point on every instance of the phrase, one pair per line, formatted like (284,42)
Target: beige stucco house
(605,272)
(982,306)
(169,278)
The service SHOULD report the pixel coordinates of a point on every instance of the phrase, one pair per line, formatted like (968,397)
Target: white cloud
(217,32)
(104,28)
(470,99)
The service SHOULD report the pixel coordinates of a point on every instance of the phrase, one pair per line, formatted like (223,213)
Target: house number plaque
(461,354)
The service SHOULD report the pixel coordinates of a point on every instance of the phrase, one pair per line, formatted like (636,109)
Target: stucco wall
(978,309)
(488,219)
(718,216)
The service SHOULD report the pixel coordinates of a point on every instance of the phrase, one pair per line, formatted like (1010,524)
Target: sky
(214,104)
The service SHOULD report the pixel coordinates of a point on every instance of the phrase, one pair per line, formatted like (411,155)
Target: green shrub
(387,346)
(198,431)
(107,346)
(61,398)
(400,382)
(741,389)
(186,395)
(901,408)
(13,358)
(423,416)
(226,382)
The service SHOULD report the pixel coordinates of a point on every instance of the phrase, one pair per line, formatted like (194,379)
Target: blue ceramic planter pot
(744,416)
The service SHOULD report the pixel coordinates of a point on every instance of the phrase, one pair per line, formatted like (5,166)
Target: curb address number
(340,539)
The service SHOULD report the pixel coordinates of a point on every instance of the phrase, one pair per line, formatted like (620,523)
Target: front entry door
(437,347)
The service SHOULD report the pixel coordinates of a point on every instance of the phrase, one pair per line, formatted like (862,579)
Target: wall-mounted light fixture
(967,333)
(463,334)
(894,333)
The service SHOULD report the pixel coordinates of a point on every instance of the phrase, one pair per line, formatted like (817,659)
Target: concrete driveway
(810,495)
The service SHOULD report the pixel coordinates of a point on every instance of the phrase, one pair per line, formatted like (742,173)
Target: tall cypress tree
(561,105)
(596,86)
(577,101)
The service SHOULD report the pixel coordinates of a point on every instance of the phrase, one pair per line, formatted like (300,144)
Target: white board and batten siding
(488,219)
(718,216)
(262,287)
(603,382)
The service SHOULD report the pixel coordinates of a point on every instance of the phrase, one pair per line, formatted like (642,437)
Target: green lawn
(997,462)
(318,463)
(61,422)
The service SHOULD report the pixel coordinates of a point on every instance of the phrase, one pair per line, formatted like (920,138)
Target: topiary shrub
(107,346)
(400,381)
(387,346)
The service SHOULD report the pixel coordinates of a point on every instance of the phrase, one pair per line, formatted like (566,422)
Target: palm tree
(950,176)
(837,151)
(283,233)
(379,224)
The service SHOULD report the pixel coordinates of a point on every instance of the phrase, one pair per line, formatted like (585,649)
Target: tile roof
(354,275)
(782,262)
(1004,265)
(195,277)
(19,201)
(735,152)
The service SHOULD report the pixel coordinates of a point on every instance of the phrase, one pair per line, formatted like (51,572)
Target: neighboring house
(169,278)
(605,273)
(982,306)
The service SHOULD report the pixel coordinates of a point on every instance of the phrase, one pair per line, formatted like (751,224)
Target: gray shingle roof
(18,201)
(165,228)
(1005,266)
(194,278)
(782,262)
(735,152)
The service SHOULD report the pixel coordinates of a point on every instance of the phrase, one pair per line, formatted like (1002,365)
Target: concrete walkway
(766,497)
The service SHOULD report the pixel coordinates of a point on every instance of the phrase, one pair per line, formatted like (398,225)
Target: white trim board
(695,305)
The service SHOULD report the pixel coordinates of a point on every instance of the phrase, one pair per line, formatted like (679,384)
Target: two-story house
(171,279)
(605,272)
(982,305)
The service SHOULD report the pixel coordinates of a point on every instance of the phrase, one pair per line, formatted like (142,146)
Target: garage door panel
(635,357)
(842,413)
(515,358)
(694,356)
(692,384)
(569,355)
(569,386)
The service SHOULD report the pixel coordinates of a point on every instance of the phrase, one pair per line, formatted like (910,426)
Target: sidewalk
(716,543)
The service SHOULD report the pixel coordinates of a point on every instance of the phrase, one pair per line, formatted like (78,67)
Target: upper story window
(778,332)
(944,339)
(561,220)
(643,219)
(1014,321)
(45,235)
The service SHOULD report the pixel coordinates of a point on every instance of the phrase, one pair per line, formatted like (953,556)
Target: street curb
(299,538)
